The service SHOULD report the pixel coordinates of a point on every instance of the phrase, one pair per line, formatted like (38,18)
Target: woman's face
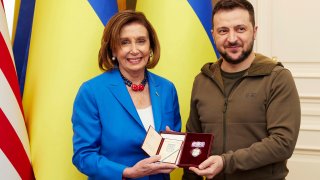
(134,50)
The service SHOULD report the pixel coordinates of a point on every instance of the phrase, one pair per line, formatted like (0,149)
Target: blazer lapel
(120,92)
(155,101)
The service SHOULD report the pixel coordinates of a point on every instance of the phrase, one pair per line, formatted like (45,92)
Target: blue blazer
(108,132)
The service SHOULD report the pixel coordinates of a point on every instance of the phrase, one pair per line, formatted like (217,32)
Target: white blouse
(146,117)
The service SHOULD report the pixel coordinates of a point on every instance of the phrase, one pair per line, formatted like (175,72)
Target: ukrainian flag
(63,53)
(185,43)
(183,28)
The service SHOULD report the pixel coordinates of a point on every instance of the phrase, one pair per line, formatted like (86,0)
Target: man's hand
(210,167)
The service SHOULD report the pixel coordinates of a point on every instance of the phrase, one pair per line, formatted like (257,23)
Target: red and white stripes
(14,143)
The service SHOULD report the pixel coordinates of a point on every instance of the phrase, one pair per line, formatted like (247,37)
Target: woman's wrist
(127,173)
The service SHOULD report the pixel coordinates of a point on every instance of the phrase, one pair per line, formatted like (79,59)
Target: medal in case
(197,145)
(195,152)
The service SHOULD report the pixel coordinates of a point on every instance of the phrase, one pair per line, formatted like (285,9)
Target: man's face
(233,34)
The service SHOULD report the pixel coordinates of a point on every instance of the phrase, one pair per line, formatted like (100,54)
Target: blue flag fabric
(22,39)
(104,9)
(203,9)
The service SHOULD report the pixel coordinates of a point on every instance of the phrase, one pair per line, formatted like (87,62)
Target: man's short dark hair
(233,4)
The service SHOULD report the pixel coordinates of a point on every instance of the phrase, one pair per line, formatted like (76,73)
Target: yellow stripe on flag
(63,53)
(15,18)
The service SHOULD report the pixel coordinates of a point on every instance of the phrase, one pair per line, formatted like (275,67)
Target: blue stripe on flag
(22,39)
(105,9)
(203,9)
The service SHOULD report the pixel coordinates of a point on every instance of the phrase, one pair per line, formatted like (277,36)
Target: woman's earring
(151,54)
(113,58)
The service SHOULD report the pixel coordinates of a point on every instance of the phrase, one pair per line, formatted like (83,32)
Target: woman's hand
(147,167)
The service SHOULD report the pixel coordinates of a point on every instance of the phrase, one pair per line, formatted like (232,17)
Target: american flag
(14,144)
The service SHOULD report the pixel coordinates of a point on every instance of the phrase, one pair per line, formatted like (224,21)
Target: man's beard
(244,55)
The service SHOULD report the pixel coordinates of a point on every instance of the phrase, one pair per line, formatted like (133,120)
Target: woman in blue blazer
(113,111)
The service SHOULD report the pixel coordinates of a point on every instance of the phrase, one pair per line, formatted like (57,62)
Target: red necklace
(135,87)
